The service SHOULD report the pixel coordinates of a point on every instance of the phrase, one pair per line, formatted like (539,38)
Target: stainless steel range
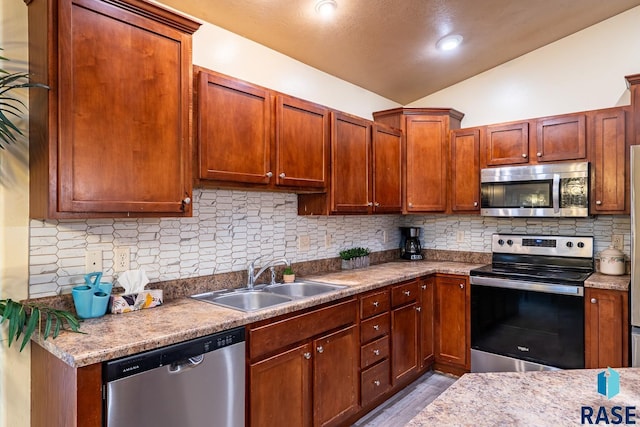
(527,306)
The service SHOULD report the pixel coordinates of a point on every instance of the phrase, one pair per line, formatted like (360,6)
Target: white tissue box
(125,303)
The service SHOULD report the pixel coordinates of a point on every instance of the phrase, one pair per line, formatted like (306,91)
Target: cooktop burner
(538,272)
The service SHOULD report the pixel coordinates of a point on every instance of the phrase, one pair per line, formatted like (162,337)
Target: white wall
(14,230)
(584,71)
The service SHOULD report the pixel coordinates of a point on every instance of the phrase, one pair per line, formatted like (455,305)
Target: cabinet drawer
(374,352)
(373,304)
(282,333)
(374,327)
(405,293)
(375,381)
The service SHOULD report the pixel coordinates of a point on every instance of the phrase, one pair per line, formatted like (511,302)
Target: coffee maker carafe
(410,243)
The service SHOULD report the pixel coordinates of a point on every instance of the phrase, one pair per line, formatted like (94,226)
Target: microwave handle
(556,193)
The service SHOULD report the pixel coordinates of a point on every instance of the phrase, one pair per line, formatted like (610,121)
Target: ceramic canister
(612,261)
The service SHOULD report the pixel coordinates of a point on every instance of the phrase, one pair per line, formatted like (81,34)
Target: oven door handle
(550,288)
(556,193)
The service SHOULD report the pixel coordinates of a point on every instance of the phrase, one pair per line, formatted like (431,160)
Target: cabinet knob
(461,285)
(307,355)
(539,154)
(376,383)
(376,352)
(376,327)
(269,174)
(369,203)
(418,309)
(524,155)
(282,175)
(376,204)
(598,202)
(376,303)
(407,293)
(410,205)
(320,349)
(186,200)
(594,300)
(424,286)
(475,204)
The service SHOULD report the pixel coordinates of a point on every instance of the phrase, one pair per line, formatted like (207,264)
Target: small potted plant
(354,258)
(288,275)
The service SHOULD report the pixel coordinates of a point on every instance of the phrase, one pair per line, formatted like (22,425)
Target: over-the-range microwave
(548,190)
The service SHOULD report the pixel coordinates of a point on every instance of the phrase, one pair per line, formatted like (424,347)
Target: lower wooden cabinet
(606,328)
(452,329)
(404,331)
(427,327)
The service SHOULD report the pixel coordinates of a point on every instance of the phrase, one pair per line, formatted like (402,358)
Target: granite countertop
(605,281)
(114,336)
(551,398)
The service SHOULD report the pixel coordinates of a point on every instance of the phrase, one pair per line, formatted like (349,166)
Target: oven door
(534,322)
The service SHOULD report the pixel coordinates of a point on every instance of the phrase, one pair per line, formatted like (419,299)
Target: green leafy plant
(10,107)
(25,318)
(288,270)
(348,254)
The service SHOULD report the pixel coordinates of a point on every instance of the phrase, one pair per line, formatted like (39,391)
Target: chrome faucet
(252,276)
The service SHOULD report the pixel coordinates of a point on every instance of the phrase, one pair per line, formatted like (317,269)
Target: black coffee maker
(410,243)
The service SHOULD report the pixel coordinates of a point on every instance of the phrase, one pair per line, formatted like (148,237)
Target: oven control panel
(566,246)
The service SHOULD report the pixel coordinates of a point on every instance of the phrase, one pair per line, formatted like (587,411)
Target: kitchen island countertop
(550,398)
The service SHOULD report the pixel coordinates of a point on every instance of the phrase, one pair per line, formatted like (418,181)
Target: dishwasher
(195,383)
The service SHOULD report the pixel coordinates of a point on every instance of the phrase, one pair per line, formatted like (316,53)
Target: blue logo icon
(609,383)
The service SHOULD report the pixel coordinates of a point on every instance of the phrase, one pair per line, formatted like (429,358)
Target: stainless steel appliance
(635,255)
(196,383)
(410,247)
(551,190)
(527,306)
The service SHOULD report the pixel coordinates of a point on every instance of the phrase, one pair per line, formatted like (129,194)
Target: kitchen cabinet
(425,154)
(427,324)
(633,82)
(404,331)
(505,144)
(609,159)
(465,170)
(452,329)
(386,146)
(310,361)
(111,137)
(606,315)
(561,138)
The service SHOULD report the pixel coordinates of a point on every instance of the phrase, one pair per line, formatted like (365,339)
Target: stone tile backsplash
(230,228)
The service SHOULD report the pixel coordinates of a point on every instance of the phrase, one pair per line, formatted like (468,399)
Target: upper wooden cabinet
(111,137)
(252,137)
(387,169)
(561,138)
(425,154)
(609,159)
(465,170)
(505,144)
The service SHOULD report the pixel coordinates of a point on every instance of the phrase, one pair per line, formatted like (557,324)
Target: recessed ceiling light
(449,42)
(326,7)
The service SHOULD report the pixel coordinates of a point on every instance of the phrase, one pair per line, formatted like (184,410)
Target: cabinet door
(124,111)
(404,336)
(302,143)
(606,316)
(387,169)
(280,389)
(608,162)
(561,138)
(451,320)
(350,164)
(233,130)
(506,144)
(335,376)
(465,170)
(426,159)
(427,294)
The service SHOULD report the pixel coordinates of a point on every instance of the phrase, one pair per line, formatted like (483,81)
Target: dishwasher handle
(185,364)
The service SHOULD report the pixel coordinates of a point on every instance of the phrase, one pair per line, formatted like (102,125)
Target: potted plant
(288,275)
(354,258)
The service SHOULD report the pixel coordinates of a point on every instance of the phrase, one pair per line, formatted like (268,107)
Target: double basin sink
(262,296)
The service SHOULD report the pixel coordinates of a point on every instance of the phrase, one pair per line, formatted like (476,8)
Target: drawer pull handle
(376,352)
(593,300)
(376,327)
(376,303)
(407,293)
(376,383)
(539,154)
(307,355)
(320,349)
(461,285)
(524,156)
(424,286)
(598,202)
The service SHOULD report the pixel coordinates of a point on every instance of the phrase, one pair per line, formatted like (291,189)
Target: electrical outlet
(328,241)
(92,261)
(385,236)
(460,236)
(617,240)
(304,243)
(121,259)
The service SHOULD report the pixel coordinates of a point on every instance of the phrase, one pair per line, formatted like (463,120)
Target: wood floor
(406,404)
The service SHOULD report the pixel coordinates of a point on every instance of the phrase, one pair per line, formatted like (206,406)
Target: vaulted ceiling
(389,46)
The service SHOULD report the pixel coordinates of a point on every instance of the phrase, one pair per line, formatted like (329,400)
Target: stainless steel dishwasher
(196,383)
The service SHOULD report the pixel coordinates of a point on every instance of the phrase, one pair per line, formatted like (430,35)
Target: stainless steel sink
(245,300)
(302,289)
